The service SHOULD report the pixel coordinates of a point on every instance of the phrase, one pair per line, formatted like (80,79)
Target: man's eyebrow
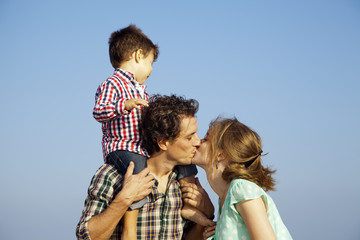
(190,134)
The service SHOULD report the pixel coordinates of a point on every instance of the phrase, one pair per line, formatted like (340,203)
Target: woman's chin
(198,162)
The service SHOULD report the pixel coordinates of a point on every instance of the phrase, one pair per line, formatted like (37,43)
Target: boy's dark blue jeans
(122,158)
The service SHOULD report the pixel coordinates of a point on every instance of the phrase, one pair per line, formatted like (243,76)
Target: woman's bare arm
(255,217)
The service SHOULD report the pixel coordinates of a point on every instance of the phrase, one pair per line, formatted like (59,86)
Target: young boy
(119,101)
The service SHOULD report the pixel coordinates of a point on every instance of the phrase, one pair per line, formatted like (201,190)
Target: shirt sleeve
(109,103)
(103,187)
(242,190)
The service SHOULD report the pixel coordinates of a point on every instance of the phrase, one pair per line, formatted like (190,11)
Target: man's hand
(196,196)
(135,103)
(138,186)
(135,187)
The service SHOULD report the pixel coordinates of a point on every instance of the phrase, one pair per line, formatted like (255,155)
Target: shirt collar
(155,194)
(125,74)
(130,77)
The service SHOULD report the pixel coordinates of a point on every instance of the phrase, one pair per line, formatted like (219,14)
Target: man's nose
(197,141)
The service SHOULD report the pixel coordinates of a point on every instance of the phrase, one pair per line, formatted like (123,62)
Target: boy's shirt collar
(129,76)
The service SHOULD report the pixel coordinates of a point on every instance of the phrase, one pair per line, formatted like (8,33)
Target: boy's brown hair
(124,42)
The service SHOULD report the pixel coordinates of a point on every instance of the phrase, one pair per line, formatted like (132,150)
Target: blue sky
(288,69)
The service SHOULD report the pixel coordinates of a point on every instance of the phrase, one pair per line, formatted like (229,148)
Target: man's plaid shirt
(160,218)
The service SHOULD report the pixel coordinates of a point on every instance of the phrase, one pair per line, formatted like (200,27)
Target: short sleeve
(231,225)
(241,190)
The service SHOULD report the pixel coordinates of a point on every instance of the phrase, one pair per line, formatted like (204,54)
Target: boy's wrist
(120,107)
(127,105)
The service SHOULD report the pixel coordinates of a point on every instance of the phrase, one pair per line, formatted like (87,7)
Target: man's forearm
(102,226)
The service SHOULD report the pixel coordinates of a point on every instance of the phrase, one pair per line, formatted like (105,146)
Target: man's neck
(160,168)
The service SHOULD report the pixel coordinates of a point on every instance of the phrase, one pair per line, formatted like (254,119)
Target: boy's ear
(138,54)
(163,144)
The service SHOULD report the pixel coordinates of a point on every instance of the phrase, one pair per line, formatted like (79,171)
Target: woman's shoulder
(241,183)
(241,189)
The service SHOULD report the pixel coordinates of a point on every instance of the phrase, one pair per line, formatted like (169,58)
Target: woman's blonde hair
(242,147)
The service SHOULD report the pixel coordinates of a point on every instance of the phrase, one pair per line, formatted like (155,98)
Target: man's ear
(138,54)
(163,144)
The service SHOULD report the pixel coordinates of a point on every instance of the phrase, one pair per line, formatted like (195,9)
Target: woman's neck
(217,183)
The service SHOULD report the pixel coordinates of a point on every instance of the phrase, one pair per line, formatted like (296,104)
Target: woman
(231,156)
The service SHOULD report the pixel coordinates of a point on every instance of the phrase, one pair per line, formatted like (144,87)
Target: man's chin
(194,160)
(188,162)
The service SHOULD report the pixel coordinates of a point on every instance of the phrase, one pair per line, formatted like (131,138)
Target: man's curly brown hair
(162,119)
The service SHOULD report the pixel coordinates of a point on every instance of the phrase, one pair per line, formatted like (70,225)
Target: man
(169,134)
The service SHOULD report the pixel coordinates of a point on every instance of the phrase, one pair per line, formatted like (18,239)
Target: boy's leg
(121,159)
(129,225)
(186,171)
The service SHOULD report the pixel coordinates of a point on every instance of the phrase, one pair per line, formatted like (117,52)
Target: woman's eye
(203,140)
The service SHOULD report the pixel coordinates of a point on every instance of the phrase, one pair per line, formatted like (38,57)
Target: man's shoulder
(107,173)
(108,169)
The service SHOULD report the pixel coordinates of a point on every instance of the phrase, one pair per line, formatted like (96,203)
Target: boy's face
(183,148)
(144,68)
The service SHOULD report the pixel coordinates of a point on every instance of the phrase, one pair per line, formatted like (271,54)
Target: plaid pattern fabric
(120,127)
(104,186)
(158,219)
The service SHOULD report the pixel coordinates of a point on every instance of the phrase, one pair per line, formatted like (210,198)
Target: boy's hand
(135,103)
